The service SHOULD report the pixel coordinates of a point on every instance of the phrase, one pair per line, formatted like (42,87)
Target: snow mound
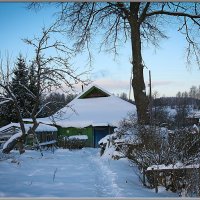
(12,138)
(78,137)
(104,140)
(111,153)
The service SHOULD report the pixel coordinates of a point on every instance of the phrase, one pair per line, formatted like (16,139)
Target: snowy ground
(79,173)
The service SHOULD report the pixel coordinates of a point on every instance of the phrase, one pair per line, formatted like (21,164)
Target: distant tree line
(57,101)
(182,104)
(172,110)
(124,96)
(191,97)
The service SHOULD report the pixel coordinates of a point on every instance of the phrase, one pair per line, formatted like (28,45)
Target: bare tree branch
(52,72)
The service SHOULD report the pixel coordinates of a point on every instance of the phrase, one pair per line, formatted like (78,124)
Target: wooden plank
(46,143)
(155,180)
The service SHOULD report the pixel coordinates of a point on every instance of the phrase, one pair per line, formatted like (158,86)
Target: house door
(99,133)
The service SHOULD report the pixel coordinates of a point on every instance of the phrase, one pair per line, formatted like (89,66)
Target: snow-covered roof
(92,111)
(40,128)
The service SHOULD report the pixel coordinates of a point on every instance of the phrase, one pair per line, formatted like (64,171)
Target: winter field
(65,173)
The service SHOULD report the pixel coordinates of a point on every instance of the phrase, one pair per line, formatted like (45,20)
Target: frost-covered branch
(29,92)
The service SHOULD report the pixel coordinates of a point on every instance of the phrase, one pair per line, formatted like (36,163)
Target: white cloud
(164,87)
(113,85)
(162,83)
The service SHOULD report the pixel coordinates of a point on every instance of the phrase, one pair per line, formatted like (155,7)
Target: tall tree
(32,86)
(193,93)
(138,22)
(52,72)
(56,102)
(20,77)
(181,109)
(19,81)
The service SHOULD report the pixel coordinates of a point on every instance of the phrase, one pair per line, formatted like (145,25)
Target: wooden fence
(175,179)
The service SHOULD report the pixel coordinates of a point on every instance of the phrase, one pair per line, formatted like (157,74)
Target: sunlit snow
(77,173)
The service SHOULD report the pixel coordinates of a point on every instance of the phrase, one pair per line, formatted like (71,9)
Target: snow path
(78,173)
(104,178)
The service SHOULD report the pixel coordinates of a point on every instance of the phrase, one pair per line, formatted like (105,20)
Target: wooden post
(199,182)
(82,88)
(130,83)
(150,98)
(155,180)
(165,181)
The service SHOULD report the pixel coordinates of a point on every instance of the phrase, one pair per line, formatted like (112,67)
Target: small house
(95,113)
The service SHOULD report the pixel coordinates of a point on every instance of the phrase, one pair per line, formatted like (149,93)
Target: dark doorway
(99,133)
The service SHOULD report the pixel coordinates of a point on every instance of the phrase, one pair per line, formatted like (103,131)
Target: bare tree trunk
(21,142)
(32,131)
(141,100)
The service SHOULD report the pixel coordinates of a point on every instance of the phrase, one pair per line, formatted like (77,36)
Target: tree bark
(141,100)
(17,141)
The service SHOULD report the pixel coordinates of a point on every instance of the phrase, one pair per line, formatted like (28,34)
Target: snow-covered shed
(44,132)
(95,113)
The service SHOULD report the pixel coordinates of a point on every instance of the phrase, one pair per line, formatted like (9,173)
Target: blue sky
(167,64)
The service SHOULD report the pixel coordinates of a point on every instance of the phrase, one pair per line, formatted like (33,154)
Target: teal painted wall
(89,131)
(77,131)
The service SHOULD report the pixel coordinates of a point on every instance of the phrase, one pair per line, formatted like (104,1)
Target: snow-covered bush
(162,115)
(180,147)
(147,145)
(184,146)
(73,142)
(140,143)
(117,145)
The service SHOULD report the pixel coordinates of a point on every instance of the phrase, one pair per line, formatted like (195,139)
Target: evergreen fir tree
(20,79)
(19,83)
(7,114)
(32,86)
(32,79)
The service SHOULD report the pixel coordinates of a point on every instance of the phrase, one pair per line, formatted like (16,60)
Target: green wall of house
(77,131)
